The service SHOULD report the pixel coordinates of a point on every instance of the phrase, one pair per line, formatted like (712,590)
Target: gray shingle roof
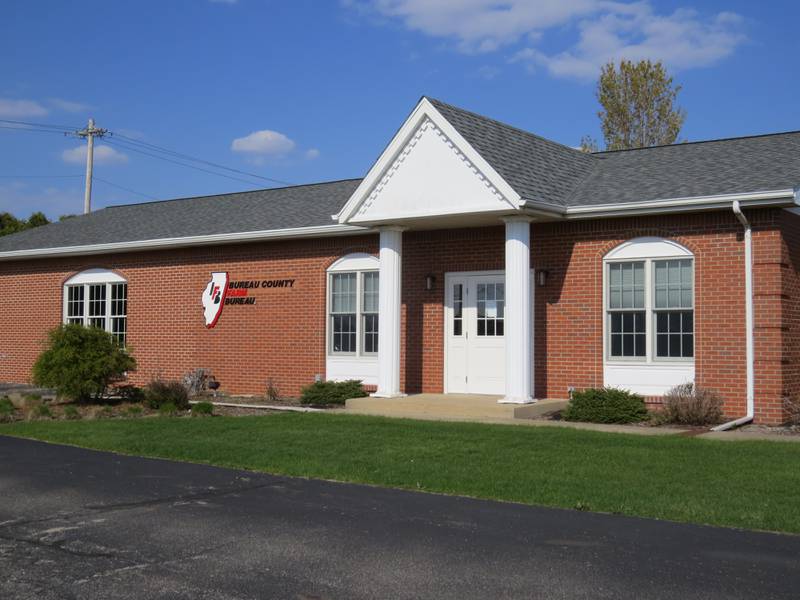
(544,171)
(536,168)
(261,210)
(739,165)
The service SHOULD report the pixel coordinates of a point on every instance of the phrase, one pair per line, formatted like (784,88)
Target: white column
(518,331)
(391,254)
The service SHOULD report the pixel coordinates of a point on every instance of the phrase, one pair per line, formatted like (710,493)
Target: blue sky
(311,90)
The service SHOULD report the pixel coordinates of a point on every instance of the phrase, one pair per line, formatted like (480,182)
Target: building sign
(214,298)
(221,292)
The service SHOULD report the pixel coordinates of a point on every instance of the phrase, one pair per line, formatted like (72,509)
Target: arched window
(97,298)
(649,302)
(353,306)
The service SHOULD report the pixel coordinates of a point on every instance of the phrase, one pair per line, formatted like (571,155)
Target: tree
(10,224)
(588,144)
(81,362)
(639,109)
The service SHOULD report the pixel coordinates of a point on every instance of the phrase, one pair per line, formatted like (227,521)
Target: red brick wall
(568,319)
(790,296)
(283,335)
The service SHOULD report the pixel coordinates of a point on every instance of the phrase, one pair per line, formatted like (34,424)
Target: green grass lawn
(741,484)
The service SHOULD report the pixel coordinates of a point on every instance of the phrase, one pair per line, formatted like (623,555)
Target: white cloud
(312,153)
(67,105)
(20,109)
(103,155)
(487,72)
(682,40)
(606,30)
(264,143)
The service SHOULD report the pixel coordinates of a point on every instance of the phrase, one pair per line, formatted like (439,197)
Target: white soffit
(428,170)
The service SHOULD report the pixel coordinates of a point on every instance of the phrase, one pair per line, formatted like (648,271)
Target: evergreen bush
(331,393)
(605,405)
(81,362)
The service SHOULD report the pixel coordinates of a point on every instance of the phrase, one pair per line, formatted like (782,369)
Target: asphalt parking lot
(81,524)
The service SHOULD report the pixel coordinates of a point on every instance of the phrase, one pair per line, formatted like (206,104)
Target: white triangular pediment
(428,170)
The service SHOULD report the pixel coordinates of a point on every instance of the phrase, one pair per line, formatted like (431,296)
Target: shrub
(129,393)
(71,412)
(329,393)
(791,408)
(688,404)
(81,362)
(7,409)
(168,409)
(202,409)
(605,405)
(196,381)
(159,392)
(104,413)
(134,411)
(41,411)
(273,393)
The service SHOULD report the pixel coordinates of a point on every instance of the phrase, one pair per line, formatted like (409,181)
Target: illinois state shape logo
(214,298)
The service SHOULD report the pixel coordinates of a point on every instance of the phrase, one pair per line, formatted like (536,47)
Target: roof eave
(761,199)
(185,242)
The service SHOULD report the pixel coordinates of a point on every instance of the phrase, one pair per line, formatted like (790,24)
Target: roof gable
(428,170)
(539,169)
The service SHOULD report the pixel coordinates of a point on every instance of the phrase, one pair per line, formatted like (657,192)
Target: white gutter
(181,242)
(786,196)
(750,342)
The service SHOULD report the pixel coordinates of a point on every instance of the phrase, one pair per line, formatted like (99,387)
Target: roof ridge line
(272,189)
(695,142)
(514,127)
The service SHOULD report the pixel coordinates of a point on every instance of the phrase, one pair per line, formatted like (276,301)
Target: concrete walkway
(483,409)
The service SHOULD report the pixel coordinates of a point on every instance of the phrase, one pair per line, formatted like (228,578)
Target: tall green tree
(10,224)
(639,105)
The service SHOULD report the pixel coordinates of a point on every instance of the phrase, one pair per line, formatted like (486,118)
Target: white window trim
(358,263)
(647,250)
(86,279)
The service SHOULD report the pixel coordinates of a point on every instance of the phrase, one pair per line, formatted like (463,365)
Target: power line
(38,176)
(183,164)
(157,148)
(41,125)
(32,129)
(124,188)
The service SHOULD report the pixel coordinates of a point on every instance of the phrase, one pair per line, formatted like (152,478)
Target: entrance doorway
(475,333)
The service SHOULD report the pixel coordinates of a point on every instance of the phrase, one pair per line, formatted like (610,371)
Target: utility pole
(89,133)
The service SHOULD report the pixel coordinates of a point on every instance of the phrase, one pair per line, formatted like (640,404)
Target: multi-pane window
(119,310)
(369,312)
(343,312)
(650,309)
(354,312)
(626,310)
(673,308)
(103,305)
(75,305)
(458,308)
(491,309)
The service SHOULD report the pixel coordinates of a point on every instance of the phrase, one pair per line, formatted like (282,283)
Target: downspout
(750,348)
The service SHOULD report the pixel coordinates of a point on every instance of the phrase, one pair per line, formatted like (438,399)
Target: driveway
(81,524)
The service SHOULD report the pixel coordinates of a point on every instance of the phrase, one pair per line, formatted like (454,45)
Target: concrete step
(451,406)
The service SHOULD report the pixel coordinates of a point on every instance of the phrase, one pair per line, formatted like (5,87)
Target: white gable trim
(393,155)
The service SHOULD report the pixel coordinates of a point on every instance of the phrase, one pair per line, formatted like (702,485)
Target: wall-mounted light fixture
(430,281)
(541,277)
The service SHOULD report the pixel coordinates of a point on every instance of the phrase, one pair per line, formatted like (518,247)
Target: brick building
(473,257)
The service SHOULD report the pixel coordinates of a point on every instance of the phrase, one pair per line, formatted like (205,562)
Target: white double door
(475,333)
